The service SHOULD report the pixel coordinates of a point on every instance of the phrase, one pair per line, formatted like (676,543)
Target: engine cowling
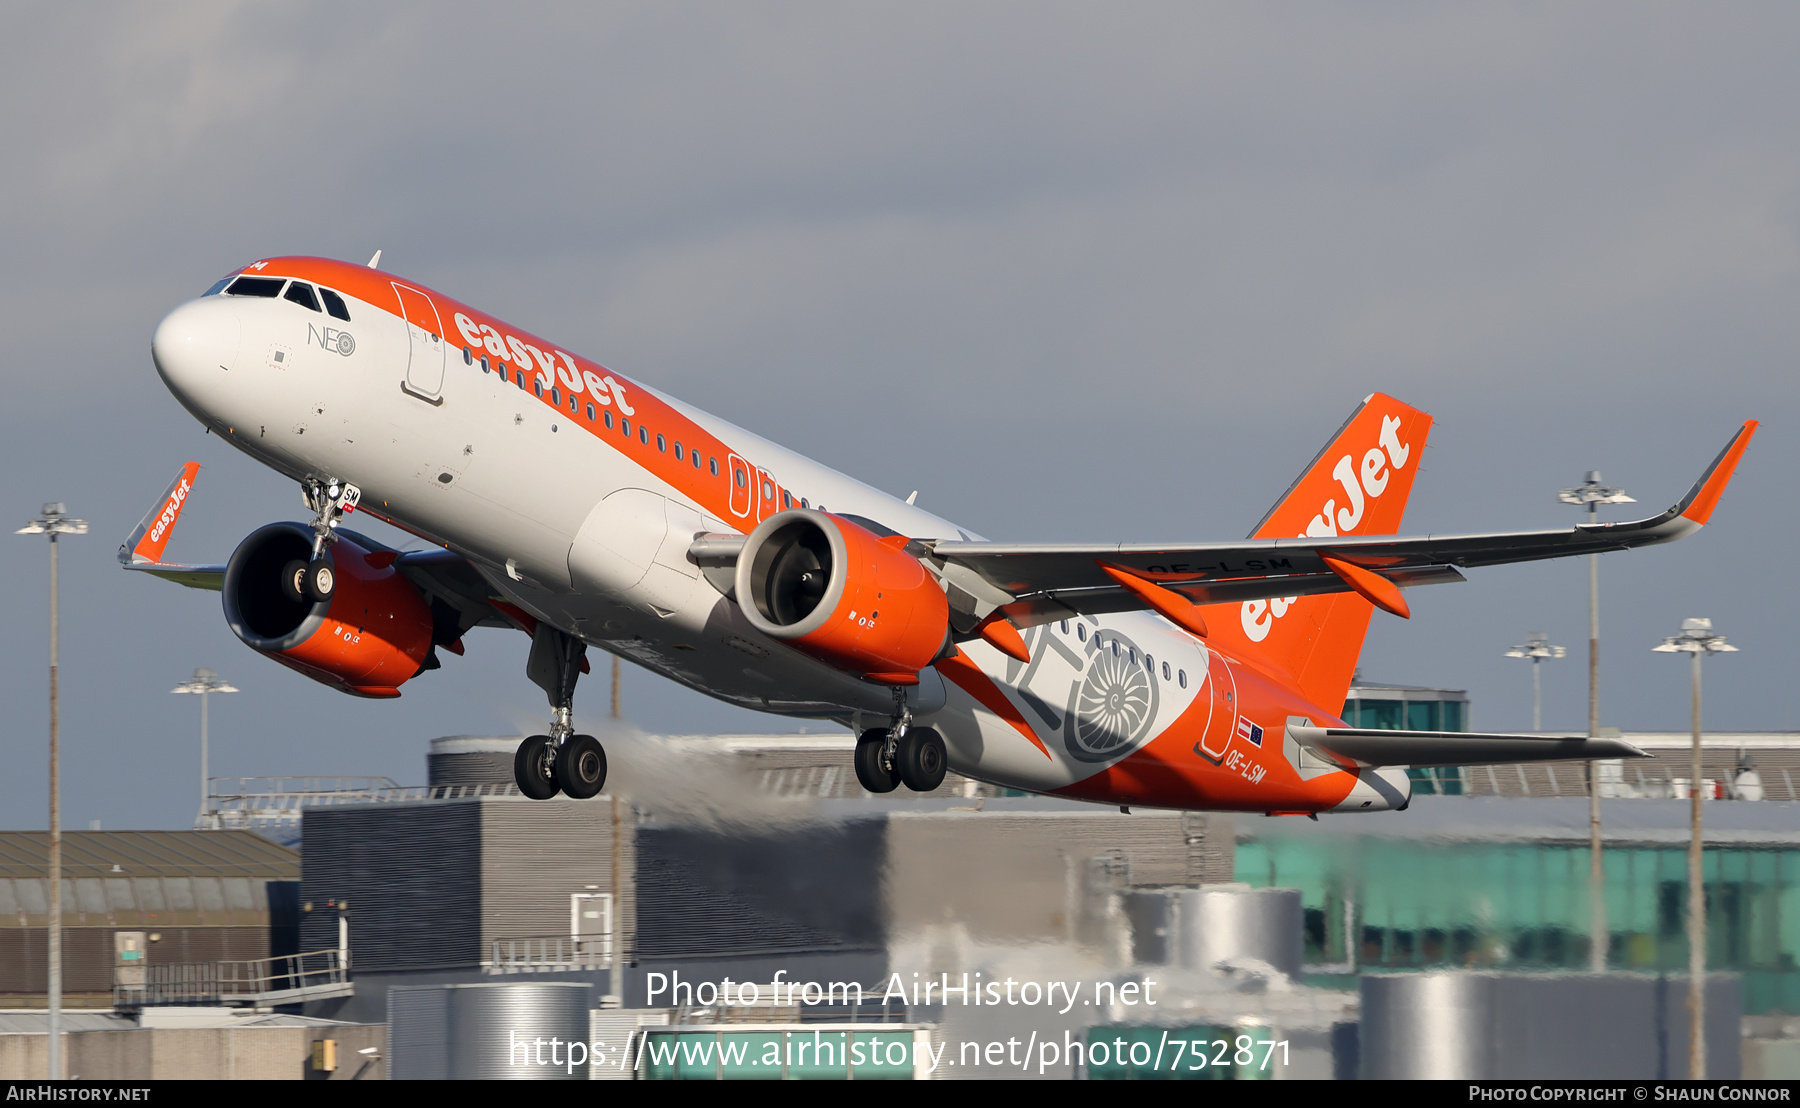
(367,640)
(841,593)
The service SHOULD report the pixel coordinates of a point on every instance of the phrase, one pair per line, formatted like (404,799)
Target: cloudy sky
(1072,271)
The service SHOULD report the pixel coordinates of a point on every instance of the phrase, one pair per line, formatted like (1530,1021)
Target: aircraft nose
(196,343)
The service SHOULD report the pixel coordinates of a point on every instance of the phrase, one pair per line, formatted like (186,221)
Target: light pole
(1696,639)
(1591,495)
(1536,647)
(54,521)
(205,682)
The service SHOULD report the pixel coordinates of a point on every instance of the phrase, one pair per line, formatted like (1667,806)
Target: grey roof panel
(149,854)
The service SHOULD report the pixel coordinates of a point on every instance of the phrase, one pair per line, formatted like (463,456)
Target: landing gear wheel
(293,582)
(581,767)
(870,773)
(532,768)
(321,580)
(919,759)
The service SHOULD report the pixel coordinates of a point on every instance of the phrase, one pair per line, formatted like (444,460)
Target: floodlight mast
(205,682)
(1536,647)
(1592,494)
(1696,640)
(54,521)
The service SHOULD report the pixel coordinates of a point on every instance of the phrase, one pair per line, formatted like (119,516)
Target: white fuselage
(563,518)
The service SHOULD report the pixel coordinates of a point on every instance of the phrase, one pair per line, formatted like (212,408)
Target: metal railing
(549,954)
(1654,779)
(251,802)
(258,982)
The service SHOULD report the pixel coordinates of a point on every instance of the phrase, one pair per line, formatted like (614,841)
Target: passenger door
(425,344)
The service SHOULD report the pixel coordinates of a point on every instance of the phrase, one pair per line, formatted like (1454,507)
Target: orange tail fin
(1357,485)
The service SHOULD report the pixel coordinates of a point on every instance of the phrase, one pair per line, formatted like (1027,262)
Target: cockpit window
(266,287)
(217,286)
(335,304)
(301,293)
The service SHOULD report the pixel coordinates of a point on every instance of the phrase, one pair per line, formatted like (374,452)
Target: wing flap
(1066,603)
(1424,749)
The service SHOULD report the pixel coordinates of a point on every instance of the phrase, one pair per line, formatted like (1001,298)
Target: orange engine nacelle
(842,594)
(368,639)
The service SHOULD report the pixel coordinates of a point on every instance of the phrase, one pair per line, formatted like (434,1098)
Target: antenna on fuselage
(376,260)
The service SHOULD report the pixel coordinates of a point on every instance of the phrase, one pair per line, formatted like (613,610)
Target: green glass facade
(1400,708)
(1418,904)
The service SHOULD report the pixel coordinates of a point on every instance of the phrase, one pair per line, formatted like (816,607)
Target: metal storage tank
(488,1032)
(1220,922)
(1427,1025)
(1549,1026)
(1201,927)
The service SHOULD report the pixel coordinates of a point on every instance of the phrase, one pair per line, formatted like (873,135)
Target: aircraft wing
(1039,582)
(1424,749)
(194,577)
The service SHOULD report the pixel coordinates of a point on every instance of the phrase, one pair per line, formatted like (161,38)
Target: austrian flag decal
(1249,732)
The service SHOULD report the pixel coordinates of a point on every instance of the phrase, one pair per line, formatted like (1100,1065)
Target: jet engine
(841,593)
(368,638)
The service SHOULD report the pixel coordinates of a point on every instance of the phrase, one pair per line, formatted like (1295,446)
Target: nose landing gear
(315,580)
(561,761)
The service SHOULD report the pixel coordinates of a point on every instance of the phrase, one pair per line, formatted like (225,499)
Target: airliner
(586,508)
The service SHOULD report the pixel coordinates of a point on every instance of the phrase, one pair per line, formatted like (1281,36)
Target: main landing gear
(314,581)
(887,757)
(561,761)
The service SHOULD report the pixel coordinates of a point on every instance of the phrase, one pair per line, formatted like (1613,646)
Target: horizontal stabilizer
(1422,749)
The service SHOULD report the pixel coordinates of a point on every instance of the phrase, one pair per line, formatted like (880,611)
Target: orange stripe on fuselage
(968,677)
(712,493)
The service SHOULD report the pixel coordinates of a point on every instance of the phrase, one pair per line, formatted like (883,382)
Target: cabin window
(678,452)
(484,364)
(1063,627)
(334,305)
(1181,678)
(301,293)
(575,405)
(555,397)
(787,499)
(1080,633)
(519,376)
(740,477)
(266,287)
(468,356)
(713,464)
(608,415)
(662,445)
(695,454)
(590,413)
(626,424)
(1165,671)
(537,387)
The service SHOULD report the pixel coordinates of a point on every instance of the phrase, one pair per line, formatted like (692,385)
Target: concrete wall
(198,1054)
(1014,876)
